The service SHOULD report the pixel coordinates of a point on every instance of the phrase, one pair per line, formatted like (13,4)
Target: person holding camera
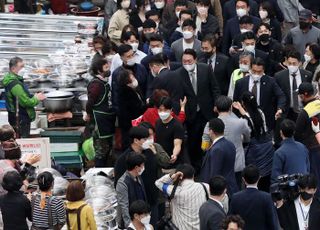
(188,196)
(304,211)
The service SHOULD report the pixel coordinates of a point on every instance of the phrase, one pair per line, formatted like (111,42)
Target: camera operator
(304,211)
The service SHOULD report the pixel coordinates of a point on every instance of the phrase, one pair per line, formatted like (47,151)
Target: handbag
(165,223)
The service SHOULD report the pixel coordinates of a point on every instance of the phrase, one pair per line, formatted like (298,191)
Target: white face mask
(145,220)
(307,57)
(255,77)
(263,14)
(177,14)
(131,62)
(159,5)
(202,9)
(125,4)
(134,46)
(147,143)
(189,68)
(22,72)
(110,57)
(134,84)
(249,48)
(147,7)
(241,12)
(141,171)
(244,30)
(156,50)
(187,34)
(244,68)
(293,69)
(164,115)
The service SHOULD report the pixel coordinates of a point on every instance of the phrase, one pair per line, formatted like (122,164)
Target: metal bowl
(58,94)
(83,100)
(58,101)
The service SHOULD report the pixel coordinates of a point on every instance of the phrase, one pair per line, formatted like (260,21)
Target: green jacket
(17,90)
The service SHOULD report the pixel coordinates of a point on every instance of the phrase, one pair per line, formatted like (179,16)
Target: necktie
(295,100)
(254,89)
(193,81)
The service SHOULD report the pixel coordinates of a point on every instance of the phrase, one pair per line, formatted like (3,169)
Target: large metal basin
(83,99)
(58,101)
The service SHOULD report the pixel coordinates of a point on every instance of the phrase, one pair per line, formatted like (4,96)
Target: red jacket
(151,115)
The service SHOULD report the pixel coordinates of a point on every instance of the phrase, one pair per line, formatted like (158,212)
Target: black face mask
(208,54)
(304,25)
(107,74)
(306,196)
(264,38)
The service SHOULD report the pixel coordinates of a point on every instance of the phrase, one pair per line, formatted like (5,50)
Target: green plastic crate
(68,159)
(63,136)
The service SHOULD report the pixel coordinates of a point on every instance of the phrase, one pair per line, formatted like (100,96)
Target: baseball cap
(305,14)
(306,88)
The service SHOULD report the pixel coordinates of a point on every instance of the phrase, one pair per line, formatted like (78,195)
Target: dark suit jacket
(208,90)
(256,209)
(220,160)
(170,82)
(288,216)
(271,96)
(231,29)
(211,215)
(221,71)
(229,9)
(283,80)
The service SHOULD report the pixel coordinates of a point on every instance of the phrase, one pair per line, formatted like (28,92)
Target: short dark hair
(187,170)
(223,103)
(97,66)
(11,150)
(294,54)
(217,185)
(166,102)
(191,52)
(187,11)
(246,1)
(138,207)
(12,181)
(246,19)
(189,22)
(211,39)
(180,3)
(108,47)
(134,159)
(127,35)
(99,39)
(265,25)
(308,181)
(267,6)
(152,13)
(124,78)
(287,128)
(138,132)
(248,35)
(124,48)
(315,50)
(149,24)
(160,59)
(232,219)
(203,2)
(75,191)
(6,132)
(258,61)
(14,61)
(157,95)
(45,180)
(251,174)
(216,125)
(147,125)
(156,37)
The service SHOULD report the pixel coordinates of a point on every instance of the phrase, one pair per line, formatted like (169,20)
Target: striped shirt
(186,203)
(40,216)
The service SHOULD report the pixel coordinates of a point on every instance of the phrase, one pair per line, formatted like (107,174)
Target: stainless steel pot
(83,100)
(58,101)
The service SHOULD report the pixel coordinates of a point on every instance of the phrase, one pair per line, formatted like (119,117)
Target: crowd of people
(211,107)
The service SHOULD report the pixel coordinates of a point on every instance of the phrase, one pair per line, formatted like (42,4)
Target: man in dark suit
(165,79)
(232,27)
(289,81)
(211,212)
(230,9)
(303,212)
(217,61)
(255,207)
(220,157)
(269,96)
(201,88)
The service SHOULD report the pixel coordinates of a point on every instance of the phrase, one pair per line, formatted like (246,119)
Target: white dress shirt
(300,216)
(187,45)
(299,81)
(251,80)
(213,61)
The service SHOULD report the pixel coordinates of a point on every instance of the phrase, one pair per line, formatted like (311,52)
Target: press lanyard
(305,218)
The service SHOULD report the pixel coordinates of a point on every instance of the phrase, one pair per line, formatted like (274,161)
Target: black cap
(306,88)
(305,14)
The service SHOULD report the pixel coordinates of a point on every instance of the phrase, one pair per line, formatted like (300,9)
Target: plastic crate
(63,136)
(2,104)
(68,159)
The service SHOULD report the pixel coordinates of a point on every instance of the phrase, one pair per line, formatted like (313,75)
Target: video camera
(287,187)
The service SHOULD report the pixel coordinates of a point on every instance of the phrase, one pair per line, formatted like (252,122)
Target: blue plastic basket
(2,104)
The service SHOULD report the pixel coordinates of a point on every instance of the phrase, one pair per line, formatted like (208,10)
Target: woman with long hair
(260,150)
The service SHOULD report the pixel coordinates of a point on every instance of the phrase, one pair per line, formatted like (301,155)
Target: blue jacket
(292,157)
(255,208)
(220,160)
